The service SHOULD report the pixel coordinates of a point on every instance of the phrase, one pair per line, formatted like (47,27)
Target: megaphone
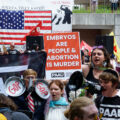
(14,86)
(75,82)
(41,89)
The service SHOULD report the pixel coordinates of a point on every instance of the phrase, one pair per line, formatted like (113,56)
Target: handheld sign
(14,86)
(41,88)
(63,54)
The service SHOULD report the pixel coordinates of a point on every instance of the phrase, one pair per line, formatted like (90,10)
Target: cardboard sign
(63,54)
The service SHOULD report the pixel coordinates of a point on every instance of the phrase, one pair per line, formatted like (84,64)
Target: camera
(91,87)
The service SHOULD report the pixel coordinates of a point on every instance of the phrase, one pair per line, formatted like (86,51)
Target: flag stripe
(36,21)
(42,27)
(10,40)
(38,12)
(4,31)
(31,20)
(7,43)
(10,33)
(38,17)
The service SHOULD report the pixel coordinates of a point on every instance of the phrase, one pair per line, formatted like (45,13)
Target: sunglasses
(99,47)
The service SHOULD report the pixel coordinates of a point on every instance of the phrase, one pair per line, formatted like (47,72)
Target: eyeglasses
(95,47)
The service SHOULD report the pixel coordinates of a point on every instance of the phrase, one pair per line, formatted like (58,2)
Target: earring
(104,63)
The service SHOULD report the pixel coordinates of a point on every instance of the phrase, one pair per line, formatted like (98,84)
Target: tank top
(90,76)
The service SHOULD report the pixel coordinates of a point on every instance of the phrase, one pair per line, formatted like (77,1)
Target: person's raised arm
(85,70)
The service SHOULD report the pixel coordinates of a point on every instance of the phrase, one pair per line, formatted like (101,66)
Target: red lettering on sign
(42,89)
(14,87)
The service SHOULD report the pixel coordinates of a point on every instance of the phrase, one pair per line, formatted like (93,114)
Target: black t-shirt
(90,76)
(13,52)
(109,107)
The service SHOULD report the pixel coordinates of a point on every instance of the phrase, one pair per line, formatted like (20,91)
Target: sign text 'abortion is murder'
(63,54)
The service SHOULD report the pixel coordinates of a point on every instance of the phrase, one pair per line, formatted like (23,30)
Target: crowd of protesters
(96,68)
(12,50)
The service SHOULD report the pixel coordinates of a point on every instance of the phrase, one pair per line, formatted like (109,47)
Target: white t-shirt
(56,113)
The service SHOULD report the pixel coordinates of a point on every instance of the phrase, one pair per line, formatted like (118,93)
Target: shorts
(114,6)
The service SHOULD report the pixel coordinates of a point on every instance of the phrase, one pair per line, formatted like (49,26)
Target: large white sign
(59,20)
(61,10)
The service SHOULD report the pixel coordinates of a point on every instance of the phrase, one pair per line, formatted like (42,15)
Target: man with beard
(108,103)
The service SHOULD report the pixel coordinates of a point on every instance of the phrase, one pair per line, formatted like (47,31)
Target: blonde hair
(75,107)
(29,72)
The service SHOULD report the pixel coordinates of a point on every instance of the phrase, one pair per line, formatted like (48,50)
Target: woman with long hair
(100,60)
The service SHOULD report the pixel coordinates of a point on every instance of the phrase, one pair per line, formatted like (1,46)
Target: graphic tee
(109,107)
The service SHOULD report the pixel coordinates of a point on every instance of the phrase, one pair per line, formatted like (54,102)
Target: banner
(14,65)
(63,54)
(21,17)
(20,24)
(84,46)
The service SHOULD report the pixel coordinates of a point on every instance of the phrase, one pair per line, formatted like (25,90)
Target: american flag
(16,25)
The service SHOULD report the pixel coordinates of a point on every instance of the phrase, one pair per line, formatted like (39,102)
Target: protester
(58,104)
(100,61)
(8,110)
(118,67)
(82,108)
(1,53)
(37,48)
(37,106)
(86,56)
(82,56)
(108,103)
(114,5)
(12,50)
(94,4)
